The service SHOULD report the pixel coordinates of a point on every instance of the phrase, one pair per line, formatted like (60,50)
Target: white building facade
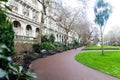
(26,15)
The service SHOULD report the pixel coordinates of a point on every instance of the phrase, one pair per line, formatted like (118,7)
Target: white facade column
(34,34)
(20,9)
(30,14)
(24,29)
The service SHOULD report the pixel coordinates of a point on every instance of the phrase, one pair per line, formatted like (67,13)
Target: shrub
(48,46)
(6,30)
(52,38)
(58,44)
(75,43)
(10,70)
(48,38)
(37,47)
(45,38)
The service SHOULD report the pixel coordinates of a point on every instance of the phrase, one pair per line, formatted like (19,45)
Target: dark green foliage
(3,52)
(76,43)
(10,70)
(7,37)
(52,38)
(48,46)
(4,0)
(37,47)
(58,44)
(45,38)
(48,38)
(6,30)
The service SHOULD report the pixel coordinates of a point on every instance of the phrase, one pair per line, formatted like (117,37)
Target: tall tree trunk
(102,41)
(40,28)
(66,39)
(79,36)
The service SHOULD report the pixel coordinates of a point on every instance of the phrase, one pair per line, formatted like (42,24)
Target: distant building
(26,15)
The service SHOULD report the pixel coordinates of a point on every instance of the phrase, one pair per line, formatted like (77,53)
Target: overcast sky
(114,19)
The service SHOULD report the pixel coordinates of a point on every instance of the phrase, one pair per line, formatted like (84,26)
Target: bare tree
(66,19)
(44,4)
(113,36)
(47,5)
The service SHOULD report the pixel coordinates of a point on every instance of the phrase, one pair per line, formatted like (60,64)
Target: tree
(85,31)
(102,12)
(66,19)
(44,4)
(46,14)
(113,36)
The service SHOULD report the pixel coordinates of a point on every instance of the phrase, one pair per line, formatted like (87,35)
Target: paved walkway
(62,66)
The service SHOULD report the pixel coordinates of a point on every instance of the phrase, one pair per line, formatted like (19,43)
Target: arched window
(17,27)
(28,30)
(62,38)
(37,31)
(16,24)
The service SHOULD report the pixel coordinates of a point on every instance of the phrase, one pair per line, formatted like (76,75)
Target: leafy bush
(48,46)
(10,70)
(75,43)
(45,38)
(52,38)
(58,44)
(6,30)
(28,58)
(37,47)
(48,38)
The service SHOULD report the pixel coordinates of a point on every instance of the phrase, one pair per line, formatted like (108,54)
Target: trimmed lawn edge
(99,47)
(87,65)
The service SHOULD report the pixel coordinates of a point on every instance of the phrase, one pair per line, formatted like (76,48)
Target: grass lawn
(99,47)
(110,63)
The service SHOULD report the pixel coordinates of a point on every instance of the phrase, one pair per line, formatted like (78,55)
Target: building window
(25,11)
(37,31)
(17,27)
(13,5)
(35,16)
(28,30)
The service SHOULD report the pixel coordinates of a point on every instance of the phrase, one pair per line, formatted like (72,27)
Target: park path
(63,66)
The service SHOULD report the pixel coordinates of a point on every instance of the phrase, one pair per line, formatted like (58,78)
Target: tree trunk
(40,29)
(79,36)
(102,42)
(66,39)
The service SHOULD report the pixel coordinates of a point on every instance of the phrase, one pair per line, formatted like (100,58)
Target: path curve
(63,66)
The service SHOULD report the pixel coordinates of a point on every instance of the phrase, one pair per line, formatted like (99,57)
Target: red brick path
(63,66)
